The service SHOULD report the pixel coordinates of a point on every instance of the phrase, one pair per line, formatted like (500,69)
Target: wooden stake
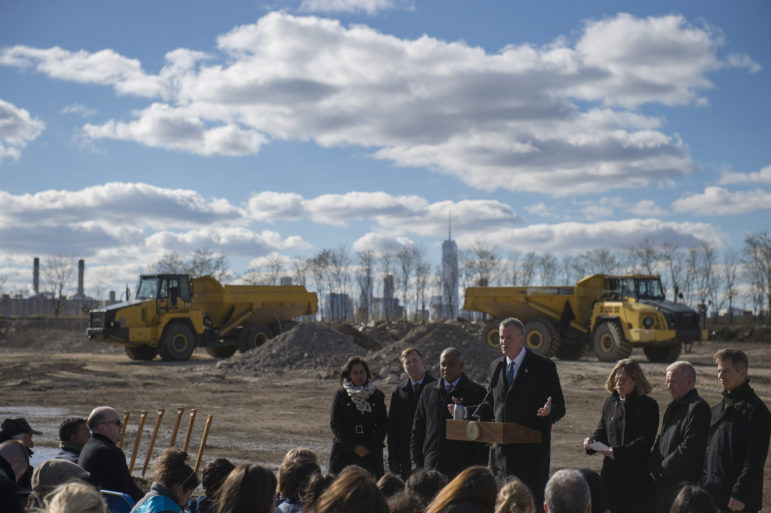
(124,423)
(152,441)
(203,443)
(142,417)
(180,411)
(189,432)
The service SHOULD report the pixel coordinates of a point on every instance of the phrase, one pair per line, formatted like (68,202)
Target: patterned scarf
(359,395)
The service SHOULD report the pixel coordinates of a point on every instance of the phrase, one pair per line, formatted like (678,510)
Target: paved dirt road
(257,419)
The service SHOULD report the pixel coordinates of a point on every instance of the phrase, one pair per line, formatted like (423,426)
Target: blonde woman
(75,498)
(515,497)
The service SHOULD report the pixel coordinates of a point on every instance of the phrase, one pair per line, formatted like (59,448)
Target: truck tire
(609,342)
(221,351)
(542,338)
(253,335)
(662,354)
(490,333)
(141,353)
(177,343)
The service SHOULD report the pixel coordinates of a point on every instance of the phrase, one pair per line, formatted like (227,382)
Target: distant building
(450,297)
(338,307)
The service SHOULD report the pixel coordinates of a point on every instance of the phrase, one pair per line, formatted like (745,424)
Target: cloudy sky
(129,129)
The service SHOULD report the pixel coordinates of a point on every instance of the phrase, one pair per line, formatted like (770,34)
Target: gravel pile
(310,346)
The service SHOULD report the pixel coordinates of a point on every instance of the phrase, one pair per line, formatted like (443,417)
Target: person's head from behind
(172,471)
(597,490)
(317,485)
(74,431)
(300,453)
(15,453)
(52,473)
(353,491)
(426,483)
(390,484)
(75,498)
(567,492)
(693,499)
(475,485)
(215,474)
(105,421)
(406,502)
(514,497)
(248,489)
(293,478)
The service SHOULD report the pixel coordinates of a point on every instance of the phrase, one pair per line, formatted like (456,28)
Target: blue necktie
(510,373)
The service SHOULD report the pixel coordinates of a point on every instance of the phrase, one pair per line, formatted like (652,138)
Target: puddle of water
(47,421)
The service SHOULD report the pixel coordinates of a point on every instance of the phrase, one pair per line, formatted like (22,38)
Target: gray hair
(512,321)
(684,368)
(567,492)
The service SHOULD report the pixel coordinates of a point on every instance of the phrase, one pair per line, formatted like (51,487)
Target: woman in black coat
(359,421)
(628,426)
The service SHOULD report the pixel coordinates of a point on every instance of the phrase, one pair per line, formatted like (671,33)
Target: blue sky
(129,129)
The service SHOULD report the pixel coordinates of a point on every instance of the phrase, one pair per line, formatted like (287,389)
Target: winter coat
(158,500)
(629,427)
(107,465)
(404,402)
(67,452)
(429,445)
(12,498)
(352,427)
(737,449)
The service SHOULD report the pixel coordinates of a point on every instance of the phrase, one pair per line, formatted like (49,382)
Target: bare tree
(422,279)
(205,262)
(757,256)
(484,264)
(644,257)
(707,278)
(547,266)
(406,257)
(57,273)
(366,280)
(527,267)
(691,271)
(299,271)
(318,268)
(671,257)
(3,280)
(514,272)
(169,263)
(730,290)
(268,273)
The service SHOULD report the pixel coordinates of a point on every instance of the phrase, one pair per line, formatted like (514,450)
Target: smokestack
(36,275)
(81,270)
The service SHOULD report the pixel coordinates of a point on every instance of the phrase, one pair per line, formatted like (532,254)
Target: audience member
(693,499)
(73,435)
(293,477)
(567,492)
(597,490)
(19,429)
(51,474)
(105,460)
(300,453)
(317,485)
(248,489)
(14,461)
(472,491)
(75,498)
(354,491)
(406,502)
(426,483)
(390,484)
(173,484)
(212,477)
(515,497)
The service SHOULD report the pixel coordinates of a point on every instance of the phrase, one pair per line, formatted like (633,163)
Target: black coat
(401,413)
(536,381)
(352,427)
(678,454)
(737,449)
(107,465)
(629,427)
(12,498)
(429,446)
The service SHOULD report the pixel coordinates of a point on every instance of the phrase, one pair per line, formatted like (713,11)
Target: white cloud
(400,214)
(380,243)
(368,6)
(233,241)
(720,201)
(17,129)
(763,176)
(540,209)
(503,120)
(647,208)
(80,110)
(578,237)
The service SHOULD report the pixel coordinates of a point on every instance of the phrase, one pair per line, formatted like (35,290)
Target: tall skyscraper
(450,296)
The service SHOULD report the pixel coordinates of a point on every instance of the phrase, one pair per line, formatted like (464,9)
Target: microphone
(493,382)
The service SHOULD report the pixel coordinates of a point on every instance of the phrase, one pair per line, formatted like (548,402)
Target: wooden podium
(491,432)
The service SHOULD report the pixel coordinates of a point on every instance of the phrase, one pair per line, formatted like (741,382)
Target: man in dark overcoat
(430,447)
(738,439)
(404,401)
(526,391)
(678,454)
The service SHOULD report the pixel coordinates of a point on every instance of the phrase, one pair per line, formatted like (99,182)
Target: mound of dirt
(311,346)
(431,339)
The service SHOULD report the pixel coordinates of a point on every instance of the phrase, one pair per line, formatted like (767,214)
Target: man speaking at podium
(525,389)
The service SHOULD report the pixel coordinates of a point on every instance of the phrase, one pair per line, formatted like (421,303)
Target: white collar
(517,359)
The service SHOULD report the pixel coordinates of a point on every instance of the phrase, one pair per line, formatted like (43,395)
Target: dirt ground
(257,418)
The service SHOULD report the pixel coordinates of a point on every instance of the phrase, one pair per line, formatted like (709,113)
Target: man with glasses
(105,460)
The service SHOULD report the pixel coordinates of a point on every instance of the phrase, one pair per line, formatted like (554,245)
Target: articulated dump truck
(610,314)
(172,314)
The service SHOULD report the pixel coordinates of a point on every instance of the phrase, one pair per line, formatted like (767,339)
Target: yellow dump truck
(610,314)
(172,314)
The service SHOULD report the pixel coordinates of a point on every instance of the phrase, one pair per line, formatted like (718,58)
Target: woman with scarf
(358,421)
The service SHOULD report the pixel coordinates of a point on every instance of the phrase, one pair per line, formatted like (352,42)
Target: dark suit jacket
(404,401)
(536,381)
(430,447)
(107,465)
(352,427)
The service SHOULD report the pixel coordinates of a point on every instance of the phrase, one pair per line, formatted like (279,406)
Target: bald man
(103,458)
(14,461)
